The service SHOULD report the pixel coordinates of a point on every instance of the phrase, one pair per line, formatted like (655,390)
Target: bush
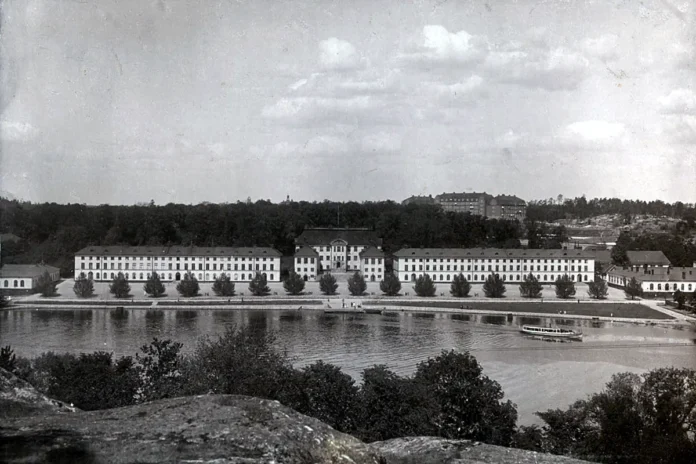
(46,285)
(633,289)
(83,287)
(294,284)
(530,287)
(327,284)
(120,286)
(460,287)
(494,287)
(258,286)
(223,286)
(188,287)
(390,286)
(8,360)
(154,286)
(680,299)
(356,284)
(424,286)
(159,369)
(598,289)
(565,287)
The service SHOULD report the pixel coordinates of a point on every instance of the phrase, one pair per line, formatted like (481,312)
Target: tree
(188,287)
(598,289)
(46,285)
(154,286)
(565,287)
(633,289)
(160,370)
(258,286)
(530,287)
(390,286)
(8,359)
(294,284)
(223,286)
(4,300)
(469,403)
(424,286)
(327,284)
(619,253)
(120,286)
(460,287)
(356,284)
(679,298)
(83,287)
(494,287)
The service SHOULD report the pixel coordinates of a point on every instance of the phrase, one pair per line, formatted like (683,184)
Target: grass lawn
(633,310)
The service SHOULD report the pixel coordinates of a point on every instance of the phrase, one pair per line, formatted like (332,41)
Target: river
(535,374)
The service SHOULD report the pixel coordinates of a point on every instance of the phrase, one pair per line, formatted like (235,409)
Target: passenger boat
(551,332)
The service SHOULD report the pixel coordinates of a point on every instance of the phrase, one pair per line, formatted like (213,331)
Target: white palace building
(476,264)
(171,263)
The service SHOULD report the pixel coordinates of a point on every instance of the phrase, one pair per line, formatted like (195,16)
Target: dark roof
(325,236)
(307,251)
(176,251)
(508,200)
(638,258)
(675,274)
(602,256)
(489,253)
(454,196)
(371,252)
(419,200)
(26,270)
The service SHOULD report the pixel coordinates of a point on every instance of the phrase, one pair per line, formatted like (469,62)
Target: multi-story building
(656,281)
(306,263)
(372,264)
(338,248)
(483,204)
(442,264)
(419,200)
(506,207)
(171,263)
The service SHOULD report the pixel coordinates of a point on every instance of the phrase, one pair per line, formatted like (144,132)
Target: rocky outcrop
(433,450)
(19,398)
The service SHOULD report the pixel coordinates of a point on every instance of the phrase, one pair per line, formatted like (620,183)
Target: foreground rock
(19,398)
(432,450)
(201,429)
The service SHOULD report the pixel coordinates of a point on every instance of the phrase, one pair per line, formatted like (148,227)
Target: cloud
(304,109)
(16,130)
(679,101)
(465,91)
(680,129)
(604,47)
(595,130)
(439,46)
(339,55)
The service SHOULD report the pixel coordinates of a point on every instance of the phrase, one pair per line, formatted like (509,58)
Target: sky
(126,101)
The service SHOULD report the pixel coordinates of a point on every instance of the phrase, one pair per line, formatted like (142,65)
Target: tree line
(635,419)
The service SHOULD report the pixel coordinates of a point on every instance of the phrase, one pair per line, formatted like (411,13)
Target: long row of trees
(559,208)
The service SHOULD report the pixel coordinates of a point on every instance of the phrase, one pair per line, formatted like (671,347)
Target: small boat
(551,332)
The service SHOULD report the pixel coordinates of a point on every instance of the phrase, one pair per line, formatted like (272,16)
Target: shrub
(565,287)
(294,284)
(120,286)
(154,286)
(46,285)
(83,287)
(633,289)
(223,286)
(188,287)
(460,287)
(159,367)
(356,284)
(494,287)
(8,360)
(390,286)
(598,289)
(258,286)
(327,284)
(530,287)
(424,286)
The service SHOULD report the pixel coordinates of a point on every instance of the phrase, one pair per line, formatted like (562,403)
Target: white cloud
(604,47)
(679,101)
(16,130)
(680,129)
(595,130)
(337,54)
(311,107)
(439,46)
(465,91)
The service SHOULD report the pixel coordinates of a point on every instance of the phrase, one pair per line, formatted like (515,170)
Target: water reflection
(460,317)
(526,320)
(493,320)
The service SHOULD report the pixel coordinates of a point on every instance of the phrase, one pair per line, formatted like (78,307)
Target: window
(6,283)
(21,283)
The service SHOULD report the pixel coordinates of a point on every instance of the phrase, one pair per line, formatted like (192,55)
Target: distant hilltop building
(483,204)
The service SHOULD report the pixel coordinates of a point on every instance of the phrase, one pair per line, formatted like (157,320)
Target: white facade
(657,281)
(372,268)
(19,283)
(306,267)
(511,265)
(339,256)
(206,264)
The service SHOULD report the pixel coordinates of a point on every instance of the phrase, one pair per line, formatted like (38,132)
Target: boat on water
(553,332)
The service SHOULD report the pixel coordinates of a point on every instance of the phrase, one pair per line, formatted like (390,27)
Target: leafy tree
(469,404)
(460,287)
(83,287)
(619,253)
(680,299)
(160,372)
(598,289)
(390,286)
(391,406)
(494,287)
(8,360)
(327,394)
(565,287)
(154,286)
(294,284)
(327,284)
(424,286)
(46,285)
(120,286)
(633,289)
(188,286)
(356,284)
(223,286)
(530,287)
(258,286)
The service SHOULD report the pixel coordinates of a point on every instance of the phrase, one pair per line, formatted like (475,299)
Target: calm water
(535,374)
